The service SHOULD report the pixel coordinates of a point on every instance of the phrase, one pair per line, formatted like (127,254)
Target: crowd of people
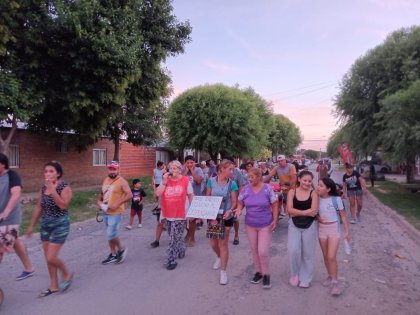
(265,192)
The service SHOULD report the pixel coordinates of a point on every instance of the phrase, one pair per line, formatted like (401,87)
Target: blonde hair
(175,163)
(225,163)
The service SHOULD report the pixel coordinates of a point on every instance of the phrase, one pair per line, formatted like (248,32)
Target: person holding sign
(174,190)
(218,229)
(262,212)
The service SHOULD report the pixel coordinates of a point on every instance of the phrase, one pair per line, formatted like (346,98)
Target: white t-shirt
(327,211)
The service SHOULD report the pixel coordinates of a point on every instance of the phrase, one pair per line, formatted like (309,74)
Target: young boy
(136,203)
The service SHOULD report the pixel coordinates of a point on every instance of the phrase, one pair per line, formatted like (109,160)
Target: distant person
(136,203)
(115,193)
(302,206)
(52,207)
(322,169)
(212,169)
(353,188)
(11,215)
(177,193)
(158,173)
(372,174)
(331,208)
(261,221)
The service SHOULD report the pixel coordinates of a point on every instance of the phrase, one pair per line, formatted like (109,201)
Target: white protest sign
(204,207)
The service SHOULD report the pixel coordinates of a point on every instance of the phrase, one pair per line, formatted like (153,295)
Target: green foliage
(219,119)
(284,135)
(377,98)
(312,154)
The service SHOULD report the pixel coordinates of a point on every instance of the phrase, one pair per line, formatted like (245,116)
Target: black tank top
(303,222)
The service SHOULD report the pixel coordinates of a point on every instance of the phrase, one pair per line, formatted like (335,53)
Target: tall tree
(217,119)
(284,135)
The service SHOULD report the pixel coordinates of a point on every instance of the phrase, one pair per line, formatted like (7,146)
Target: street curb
(406,226)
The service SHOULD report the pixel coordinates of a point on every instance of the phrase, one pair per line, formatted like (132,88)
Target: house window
(13,156)
(99,157)
(62,147)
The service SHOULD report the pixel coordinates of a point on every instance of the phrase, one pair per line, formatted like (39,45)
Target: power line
(301,88)
(304,93)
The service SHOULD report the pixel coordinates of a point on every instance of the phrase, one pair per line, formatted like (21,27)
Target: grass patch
(395,196)
(83,204)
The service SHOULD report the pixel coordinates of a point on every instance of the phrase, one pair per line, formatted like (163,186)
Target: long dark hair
(303,173)
(329,183)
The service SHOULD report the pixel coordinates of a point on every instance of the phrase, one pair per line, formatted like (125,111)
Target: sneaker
(294,281)
(352,221)
(121,255)
(154,244)
(223,277)
(128,227)
(327,282)
(140,225)
(24,275)
(171,265)
(217,264)
(335,289)
(304,285)
(266,282)
(111,258)
(257,278)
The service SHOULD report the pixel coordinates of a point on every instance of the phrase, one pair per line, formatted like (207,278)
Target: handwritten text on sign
(204,207)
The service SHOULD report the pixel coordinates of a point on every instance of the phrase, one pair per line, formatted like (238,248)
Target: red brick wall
(35,151)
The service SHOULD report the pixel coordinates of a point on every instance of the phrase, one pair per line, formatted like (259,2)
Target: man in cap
(286,173)
(115,193)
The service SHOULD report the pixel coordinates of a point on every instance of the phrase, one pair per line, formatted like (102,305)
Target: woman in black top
(302,206)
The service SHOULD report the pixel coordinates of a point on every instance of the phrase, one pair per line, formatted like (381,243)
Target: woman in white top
(331,208)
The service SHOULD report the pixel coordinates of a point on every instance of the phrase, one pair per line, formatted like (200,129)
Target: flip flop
(66,283)
(46,292)
(236,242)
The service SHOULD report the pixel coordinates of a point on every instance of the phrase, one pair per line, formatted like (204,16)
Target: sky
(291,52)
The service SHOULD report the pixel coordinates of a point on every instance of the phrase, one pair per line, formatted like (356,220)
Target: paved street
(382,276)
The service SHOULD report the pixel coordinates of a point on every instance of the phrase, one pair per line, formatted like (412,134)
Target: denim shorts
(112,223)
(55,229)
(354,193)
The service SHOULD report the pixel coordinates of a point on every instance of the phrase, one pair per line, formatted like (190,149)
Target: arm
(363,184)
(344,196)
(239,208)
(275,210)
(126,196)
(61,200)
(302,213)
(198,178)
(234,202)
(161,188)
(153,179)
(14,199)
(266,179)
(343,216)
(35,216)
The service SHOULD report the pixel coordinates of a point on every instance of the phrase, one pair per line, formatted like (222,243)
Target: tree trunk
(4,143)
(410,169)
(117,148)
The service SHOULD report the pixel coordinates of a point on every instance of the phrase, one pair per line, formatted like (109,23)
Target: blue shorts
(354,193)
(112,223)
(55,230)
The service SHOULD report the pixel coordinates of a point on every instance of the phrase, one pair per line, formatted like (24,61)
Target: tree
(217,119)
(338,137)
(97,65)
(312,154)
(284,135)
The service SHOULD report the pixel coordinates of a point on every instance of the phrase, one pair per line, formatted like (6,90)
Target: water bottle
(347,248)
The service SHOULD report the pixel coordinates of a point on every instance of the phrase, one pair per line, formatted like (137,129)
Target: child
(136,203)
(330,209)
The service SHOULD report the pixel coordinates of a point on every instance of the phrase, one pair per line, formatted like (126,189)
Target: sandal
(236,242)
(66,283)
(46,292)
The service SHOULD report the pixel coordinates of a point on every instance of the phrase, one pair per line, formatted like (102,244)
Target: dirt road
(382,276)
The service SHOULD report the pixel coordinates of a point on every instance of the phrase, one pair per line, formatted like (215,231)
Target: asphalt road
(381,276)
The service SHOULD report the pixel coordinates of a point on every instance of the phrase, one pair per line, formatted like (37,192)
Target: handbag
(216,228)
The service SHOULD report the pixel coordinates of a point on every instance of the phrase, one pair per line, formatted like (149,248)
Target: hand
(344,196)
(273,225)
(321,219)
(3,216)
(346,236)
(29,232)
(237,212)
(228,214)
(50,185)
(313,212)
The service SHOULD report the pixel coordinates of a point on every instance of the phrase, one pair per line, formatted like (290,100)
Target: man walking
(115,193)
(11,213)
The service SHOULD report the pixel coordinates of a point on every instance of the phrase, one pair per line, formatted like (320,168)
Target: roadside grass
(395,196)
(83,204)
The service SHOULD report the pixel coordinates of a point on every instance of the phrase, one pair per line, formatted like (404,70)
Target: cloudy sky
(291,52)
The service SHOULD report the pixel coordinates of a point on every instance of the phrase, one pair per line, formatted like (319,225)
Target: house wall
(35,151)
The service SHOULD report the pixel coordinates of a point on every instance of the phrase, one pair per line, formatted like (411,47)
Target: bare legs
(54,264)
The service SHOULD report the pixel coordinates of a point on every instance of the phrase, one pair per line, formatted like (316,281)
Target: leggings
(259,241)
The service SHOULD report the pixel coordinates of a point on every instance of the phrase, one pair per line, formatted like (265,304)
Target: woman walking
(218,230)
(261,219)
(330,209)
(52,207)
(353,188)
(174,191)
(302,206)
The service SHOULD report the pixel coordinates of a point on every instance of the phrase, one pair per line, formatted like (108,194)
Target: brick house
(28,153)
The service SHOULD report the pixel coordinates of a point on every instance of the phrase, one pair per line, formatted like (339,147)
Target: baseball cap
(281,157)
(203,162)
(113,164)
